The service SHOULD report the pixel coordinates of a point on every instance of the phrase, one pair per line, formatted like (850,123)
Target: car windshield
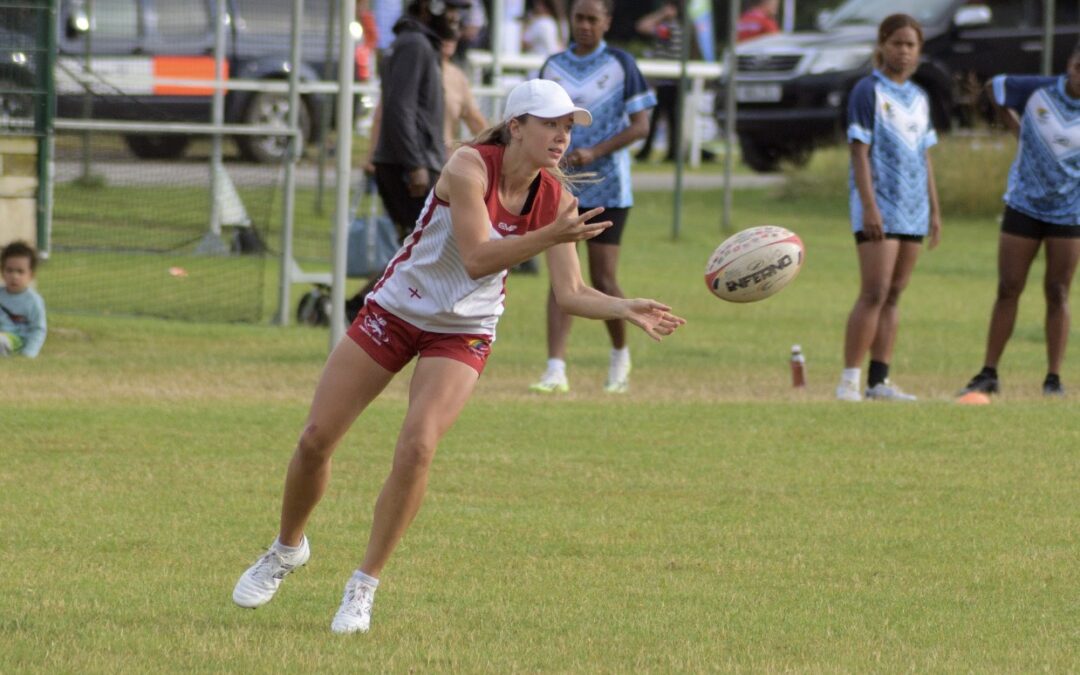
(871,12)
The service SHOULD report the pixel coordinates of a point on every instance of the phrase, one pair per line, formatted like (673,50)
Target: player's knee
(892,297)
(314,445)
(415,453)
(1010,289)
(874,296)
(1057,294)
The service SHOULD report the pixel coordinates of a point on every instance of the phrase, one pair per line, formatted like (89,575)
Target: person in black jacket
(409,151)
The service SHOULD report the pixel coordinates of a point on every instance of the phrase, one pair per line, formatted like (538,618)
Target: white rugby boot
(618,379)
(848,390)
(551,382)
(887,391)
(261,581)
(354,614)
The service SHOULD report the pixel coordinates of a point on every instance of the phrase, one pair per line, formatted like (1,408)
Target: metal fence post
(291,156)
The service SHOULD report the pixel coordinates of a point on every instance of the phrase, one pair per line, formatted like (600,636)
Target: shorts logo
(375,328)
(481,347)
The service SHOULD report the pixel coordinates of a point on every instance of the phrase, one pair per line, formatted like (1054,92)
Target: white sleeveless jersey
(426,283)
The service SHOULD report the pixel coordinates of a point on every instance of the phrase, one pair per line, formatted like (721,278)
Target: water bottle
(798,367)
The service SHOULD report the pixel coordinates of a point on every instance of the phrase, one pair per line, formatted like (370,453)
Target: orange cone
(974,398)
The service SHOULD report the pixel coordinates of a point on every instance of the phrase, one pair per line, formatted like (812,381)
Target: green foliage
(711,519)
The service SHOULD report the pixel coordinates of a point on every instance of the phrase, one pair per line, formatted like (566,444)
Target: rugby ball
(753,264)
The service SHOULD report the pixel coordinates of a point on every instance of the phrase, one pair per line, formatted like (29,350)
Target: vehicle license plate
(758,93)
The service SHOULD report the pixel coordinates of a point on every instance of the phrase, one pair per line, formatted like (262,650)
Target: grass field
(712,519)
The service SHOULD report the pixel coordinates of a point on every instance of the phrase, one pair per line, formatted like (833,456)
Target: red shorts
(393,342)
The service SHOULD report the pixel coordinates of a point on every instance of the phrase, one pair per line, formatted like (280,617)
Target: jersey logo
(506,227)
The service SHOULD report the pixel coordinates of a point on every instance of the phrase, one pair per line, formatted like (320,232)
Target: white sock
(556,366)
(365,579)
(620,356)
(851,375)
(289,551)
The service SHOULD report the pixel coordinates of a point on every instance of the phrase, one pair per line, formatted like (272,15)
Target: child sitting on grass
(22,311)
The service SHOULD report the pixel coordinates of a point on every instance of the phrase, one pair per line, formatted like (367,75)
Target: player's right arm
(864,183)
(464,183)
(860,134)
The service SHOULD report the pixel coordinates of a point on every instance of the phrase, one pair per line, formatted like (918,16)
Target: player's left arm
(575,297)
(935,208)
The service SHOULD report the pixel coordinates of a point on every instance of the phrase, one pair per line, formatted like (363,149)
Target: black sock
(1052,378)
(989,372)
(878,373)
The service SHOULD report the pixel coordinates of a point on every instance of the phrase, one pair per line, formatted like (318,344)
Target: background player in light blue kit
(893,199)
(22,311)
(1042,204)
(608,83)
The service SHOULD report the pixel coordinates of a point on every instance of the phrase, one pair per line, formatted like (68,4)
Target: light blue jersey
(1044,181)
(894,120)
(609,85)
(23,315)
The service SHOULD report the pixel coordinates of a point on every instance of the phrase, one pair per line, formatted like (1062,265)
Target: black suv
(792,89)
(175,38)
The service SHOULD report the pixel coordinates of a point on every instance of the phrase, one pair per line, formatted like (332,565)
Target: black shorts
(1023,225)
(861,238)
(613,234)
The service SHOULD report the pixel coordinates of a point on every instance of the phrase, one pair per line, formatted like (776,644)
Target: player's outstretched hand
(652,317)
(570,226)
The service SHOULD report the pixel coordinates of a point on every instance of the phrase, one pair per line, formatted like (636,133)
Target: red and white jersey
(426,283)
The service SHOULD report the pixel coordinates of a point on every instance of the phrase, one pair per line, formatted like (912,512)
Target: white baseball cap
(543,98)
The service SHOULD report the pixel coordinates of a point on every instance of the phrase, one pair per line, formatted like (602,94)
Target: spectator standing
(665,27)
(1042,207)
(459,107)
(608,83)
(758,20)
(893,201)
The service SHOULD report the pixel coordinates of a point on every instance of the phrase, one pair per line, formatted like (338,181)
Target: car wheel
(760,157)
(168,146)
(271,110)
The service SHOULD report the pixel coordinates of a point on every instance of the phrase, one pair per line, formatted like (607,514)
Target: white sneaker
(887,391)
(551,382)
(848,391)
(260,582)
(618,379)
(354,615)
